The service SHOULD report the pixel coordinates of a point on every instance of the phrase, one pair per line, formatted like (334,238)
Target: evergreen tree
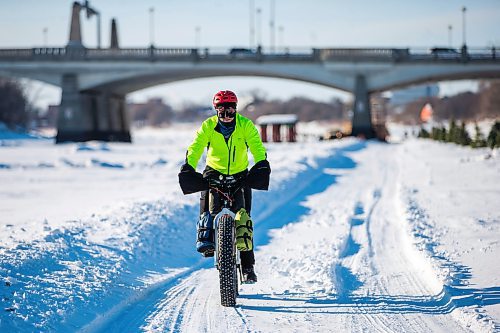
(479,140)
(435,133)
(442,134)
(423,133)
(452,133)
(463,137)
(494,136)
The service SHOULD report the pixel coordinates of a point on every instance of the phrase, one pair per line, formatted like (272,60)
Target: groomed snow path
(339,257)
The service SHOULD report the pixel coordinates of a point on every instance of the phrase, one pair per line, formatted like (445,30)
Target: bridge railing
(351,53)
(194,54)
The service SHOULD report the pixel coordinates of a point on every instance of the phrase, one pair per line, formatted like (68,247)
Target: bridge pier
(91,115)
(361,119)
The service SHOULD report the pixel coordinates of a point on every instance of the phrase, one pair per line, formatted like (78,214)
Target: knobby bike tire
(227,262)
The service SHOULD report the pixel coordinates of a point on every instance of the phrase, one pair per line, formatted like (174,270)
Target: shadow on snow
(286,206)
(446,301)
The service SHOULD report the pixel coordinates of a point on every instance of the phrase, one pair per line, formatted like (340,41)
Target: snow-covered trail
(347,263)
(353,236)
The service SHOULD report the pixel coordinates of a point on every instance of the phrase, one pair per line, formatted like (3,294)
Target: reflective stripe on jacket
(226,157)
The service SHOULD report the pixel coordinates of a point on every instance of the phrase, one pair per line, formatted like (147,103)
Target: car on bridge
(445,53)
(240,53)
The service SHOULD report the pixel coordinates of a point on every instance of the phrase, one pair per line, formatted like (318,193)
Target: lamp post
(151,26)
(464,9)
(271,25)
(197,36)
(259,27)
(45,31)
(281,37)
(252,23)
(450,28)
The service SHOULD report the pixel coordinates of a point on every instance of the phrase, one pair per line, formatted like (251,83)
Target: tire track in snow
(387,299)
(203,312)
(346,281)
(131,312)
(382,245)
(170,312)
(312,175)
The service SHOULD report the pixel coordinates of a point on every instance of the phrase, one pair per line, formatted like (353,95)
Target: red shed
(277,121)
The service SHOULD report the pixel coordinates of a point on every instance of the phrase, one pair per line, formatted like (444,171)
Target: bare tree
(13,104)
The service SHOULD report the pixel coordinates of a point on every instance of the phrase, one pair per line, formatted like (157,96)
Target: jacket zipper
(229,142)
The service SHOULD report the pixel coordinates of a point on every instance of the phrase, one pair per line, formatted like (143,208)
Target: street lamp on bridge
(45,32)
(281,37)
(259,27)
(197,37)
(464,9)
(450,28)
(151,26)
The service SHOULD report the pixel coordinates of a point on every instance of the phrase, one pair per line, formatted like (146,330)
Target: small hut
(277,121)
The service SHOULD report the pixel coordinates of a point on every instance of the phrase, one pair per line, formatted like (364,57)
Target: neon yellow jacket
(231,157)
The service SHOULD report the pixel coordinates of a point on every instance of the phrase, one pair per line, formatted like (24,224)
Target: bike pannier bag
(244,231)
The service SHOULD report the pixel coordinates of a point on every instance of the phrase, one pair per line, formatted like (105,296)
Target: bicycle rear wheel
(227,261)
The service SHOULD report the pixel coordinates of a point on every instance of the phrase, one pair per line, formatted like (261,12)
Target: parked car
(332,134)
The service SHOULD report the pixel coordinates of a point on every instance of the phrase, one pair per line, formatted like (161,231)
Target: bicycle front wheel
(227,261)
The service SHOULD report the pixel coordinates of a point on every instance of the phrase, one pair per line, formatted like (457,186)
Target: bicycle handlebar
(227,186)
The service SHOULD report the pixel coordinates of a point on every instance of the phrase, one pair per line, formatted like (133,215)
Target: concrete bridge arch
(95,82)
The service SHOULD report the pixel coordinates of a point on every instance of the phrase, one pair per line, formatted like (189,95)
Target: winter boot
(205,243)
(249,275)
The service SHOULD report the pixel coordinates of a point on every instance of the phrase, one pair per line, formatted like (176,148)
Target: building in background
(407,95)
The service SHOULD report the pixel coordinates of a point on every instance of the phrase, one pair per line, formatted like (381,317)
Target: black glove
(191,181)
(213,182)
(258,176)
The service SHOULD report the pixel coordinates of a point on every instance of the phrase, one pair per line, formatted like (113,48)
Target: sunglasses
(228,105)
(226,110)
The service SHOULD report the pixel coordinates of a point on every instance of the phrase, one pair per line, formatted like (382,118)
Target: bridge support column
(361,119)
(90,115)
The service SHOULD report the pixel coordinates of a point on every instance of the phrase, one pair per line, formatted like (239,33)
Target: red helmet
(225,96)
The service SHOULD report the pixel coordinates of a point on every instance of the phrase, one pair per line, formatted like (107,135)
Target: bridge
(95,82)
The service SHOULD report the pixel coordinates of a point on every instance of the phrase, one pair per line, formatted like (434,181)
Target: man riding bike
(227,137)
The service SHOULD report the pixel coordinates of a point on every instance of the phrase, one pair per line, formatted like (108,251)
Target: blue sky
(223,24)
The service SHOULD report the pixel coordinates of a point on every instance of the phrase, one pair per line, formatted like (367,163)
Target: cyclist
(227,136)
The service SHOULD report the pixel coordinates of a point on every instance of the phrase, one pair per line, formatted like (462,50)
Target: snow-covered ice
(352,236)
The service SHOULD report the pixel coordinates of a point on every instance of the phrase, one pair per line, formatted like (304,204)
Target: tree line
(459,135)
(17,111)
(466,106)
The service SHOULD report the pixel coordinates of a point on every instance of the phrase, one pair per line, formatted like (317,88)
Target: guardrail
(193,54)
